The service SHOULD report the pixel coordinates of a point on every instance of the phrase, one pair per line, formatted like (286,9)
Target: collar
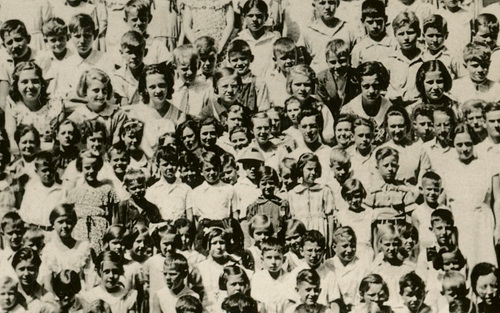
(106,112)
(484,86)
(426,54)
(321,27)
(301,188)
(433,144)
(261,200)
(385,42)
(339,265)
(247,36)
(401,57)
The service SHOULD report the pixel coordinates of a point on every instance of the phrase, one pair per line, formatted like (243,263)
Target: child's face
(210,173)
(167,170)
(302,87)
(478,71)
(207,63)
(476,120)
(340,171)
(292,110)
(173,277)
(451,262)
(408,245)
(167,244)
(267,186)
(64,226)
(261,130)
(450,293)
(275,120)
(46,174)
(227,89)
(260,234)
(229,174)
(119,161)
(308,292)
(8,298)
(189,175)
(355,199)
(375,294)
(97,95)
(239,140)
(312,253)
(140,246)
(236,284)
(309,129)
(339,63)
(27,145)
(157,88)
(57,44)
(345,249)
(110,275)
(493,123)
(487,288)
(464,146)
(217,247)
(370,88)
(66,135)
(90,169)
(443,232)
(240,62)
(375,26)
(431,189)
(208,135)
(15,44)
(434,38)
(29,85)
(397,128)
(185,234)
(13,234)
(83,40)
(390,246)
(287,178)
(187,70)
(424,127)
(95,142)
(325,9)
(133,57)
(310,172)
(137,22)
(234,119)
(189,139)
(406,37)
(293,241)
(116,245)
(363,137)
(272,260)
(484,35)
(255,19)
(343,133)
(442,126)
(412,299)
(132,140)
(285,61)
(434,85)
(388,168)
(26,272)
(251,168)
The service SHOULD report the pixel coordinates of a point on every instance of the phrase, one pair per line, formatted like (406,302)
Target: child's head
(460,306)
(276,115)
(240,56)
(28,85)
(188,304)
(237,116)
(325,9)
(12,230)
(133,49)
(95,86)
(166,239)
(94,136)
(464,138)
(292,109)
(239,303)
(389,242)
(313,248)
(119,158)
(15,38)
(338,56)
(353,193)
(8,293)
(138,242)
(156,84)
(255,14)
(373,78)
(288,173)
(344,130)
(308,168)
(398,124)
(211,167)
(454,286)
(433,81)
(344,244)
(268,181)
(186,231)
(131,134)
(189,169)
(34,238)
(110,268)
(45,167)
(443,226)
(227,84)
(261,128)
(83,31)
(374,18)
(452,260)
(340,164)
(175,269)
(406,30)
(294,233)
(234,280)
(363,130)
(308,286)
(186,63)
(89,164)
(229,169)
(63,219)
(484,282)
(215,241)
(55,35)
(252,160)
(435,31)
(113,239)
(188,135)
(260,228)
(486,30)
(412,291)
(207,51)
(138,15)
(26,262)
(491,114)
(477,57)
(27,139)
(431,188)
(473,114)
(373,289)
(284,54)
(272,254)
(239,137)
(67,134)
(409,239)
(301,82)
(210,130)
(387,163)
(66,284)
(167,162)
(422,117)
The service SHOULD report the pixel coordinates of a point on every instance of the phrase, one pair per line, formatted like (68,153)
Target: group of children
(293,156)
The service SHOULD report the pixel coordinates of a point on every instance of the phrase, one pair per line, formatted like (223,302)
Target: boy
(208,57)
(42,194)
(473,115)
(440,149)
(126,79)
(10,298)
(412,291)
(324,29)
(420,8)
(422,123)
(435,34)
(486,28)
(247,187)
(114,169)
(376,44)
(268,285)
(175,270)
(12,236)
(191,94)
(403,63)
(477,85)
(131,135)
(340,165)
(308,288)
(454,288)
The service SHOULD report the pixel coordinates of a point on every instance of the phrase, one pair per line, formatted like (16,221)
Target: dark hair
(14,93)
(239,46)
(12,217)
(309,276)
(110,256)
(188,304)
(239,303)
(373,9)
(167,154)
(314,236)
(374,68)
(372,279)
(232,270)
(26,254)
(465,129)
(482,269)
(487,20)
(435,21)
(66,282)
(81,21)
(432,176)
(224,72)
(211,158)
(444,215)
(432,66)
(63,209)
(76,130)
(10,26)
(272,244)
(91,155)
(414,282)
(191,124)
(385,152)
(6,155)
(178,261)
(398,111)
(307,112)
(422,110)
(91,127)
(268,173)
(303,159)
(350,185)
(114,232)
(258,4)
(23,129)
(166,71)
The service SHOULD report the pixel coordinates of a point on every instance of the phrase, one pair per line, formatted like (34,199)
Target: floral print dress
(209,17)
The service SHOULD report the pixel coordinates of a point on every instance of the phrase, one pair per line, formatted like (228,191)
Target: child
(484,282)
(239,303)
(294,231)
(420,8)
(433,83)
(486,31)
(261,41)
(376,44)
(337,85)
(113,172)
(453,288)
(190,170)
(308,290)
(172,197)
(65,145)
(9,296)
(95,87)
(344,131)
(27,140)
(66,286)
(12,236)
(208,57)
(435,31)
(187,231)
(310,202)
(412,291)
(229,169)
(404,62)
(247,187)
(175,270)
(190,93)
(188,304)
(260,229)
(234,280)
(71,8)
(459,27)
(287,176)
(374,293)
(340,165)
(292,109)
(131,135)
(477,57)
(361,153)
(422,117)
(30,290)
(472,112)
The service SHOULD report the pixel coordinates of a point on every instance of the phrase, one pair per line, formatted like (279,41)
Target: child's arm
(156,305)
(414,220)
(229,28)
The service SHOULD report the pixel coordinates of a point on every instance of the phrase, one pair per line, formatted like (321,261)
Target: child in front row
(453,287)
(412,291)
(374,293)
(293,231)
(308,289)
(260,229)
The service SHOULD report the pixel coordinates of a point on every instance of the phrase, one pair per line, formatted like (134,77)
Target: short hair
(238,129)
(350,186)
(87,154)
(119,148)
(460,305)
(314,236)
(183,222)
(422,110)
(98,306)
(304,159)
(66,282)
(284,45)
(385,152)
(132,40)
(473,105)
(54,27)
(486,20)
(432,66)
(311,112)
(63,209)
(185,54)
(374,68)
(372,279)
(188,304)
(343,233)
(143,8)
(260,221)
(361,121)
(239,303)
(258,4)
(448,111)
(346,117)
(45,158)
(212,121)
(406,18)
(482,269)
(398,111)
(26,254)
(308,276)
(339,155)
(464,128)
(94,74)
(435,21)
(177,261)
(232,270)
(211,158)
(109,256)
(373,9)
(12,218)
(81,22)
(212,233)
(456,281)
(161,69)
(414,282)
(114,232)
(272,244)
(490,107)
(269,173)
(11,26)
(23,130)
(132,126)
(134,175)
(225,72)
(302,70)
(76,130)
(431,176)
(8,283)
(166,154)
(479,52)
(294,226)
(239,46)
(191,161)
(91,127)
(442,215)
(337,47)
(205,45)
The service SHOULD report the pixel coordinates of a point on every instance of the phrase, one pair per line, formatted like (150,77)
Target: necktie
(184,103)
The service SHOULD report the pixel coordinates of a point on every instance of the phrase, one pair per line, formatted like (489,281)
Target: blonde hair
(94,74)
(6,282)
(302,70)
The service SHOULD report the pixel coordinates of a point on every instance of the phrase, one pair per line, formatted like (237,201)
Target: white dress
(123,301)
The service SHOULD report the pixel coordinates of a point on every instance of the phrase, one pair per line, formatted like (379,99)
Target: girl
(294,231)
(26,263)
(27,139)
(66,286)
(157,113)
(288,176)
(227,85)
(65,145)
(472,112)
(484,282)
(292,109)
(187,232)
(239,138)
(310,202)
(95,87)
(31,104)
(94,201)
(374,292)
(358,217)
(234,280)
(301,83)
(260,229)
(344,131)
(373,79)
(188,137)
(110,268)
(113,239)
